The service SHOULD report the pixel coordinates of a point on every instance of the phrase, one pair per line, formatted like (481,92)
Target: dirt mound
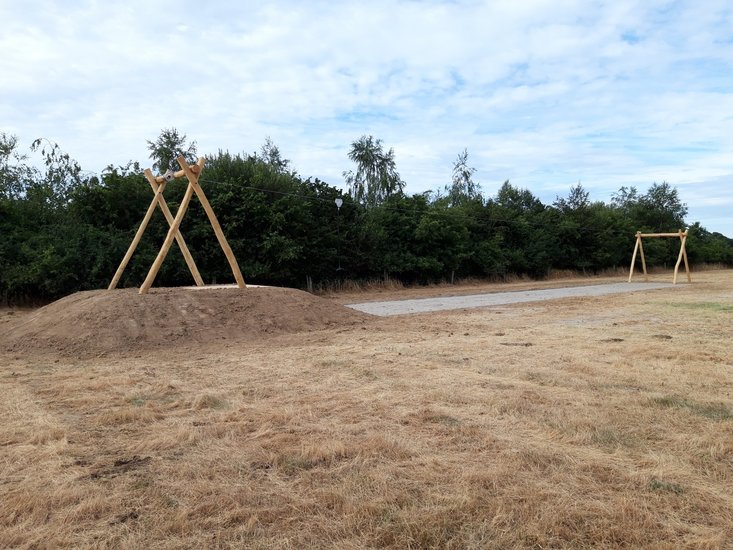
(104,321)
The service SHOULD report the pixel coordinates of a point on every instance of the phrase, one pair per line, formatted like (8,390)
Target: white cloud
(545,93)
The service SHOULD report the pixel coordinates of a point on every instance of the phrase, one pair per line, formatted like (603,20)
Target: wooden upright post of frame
(192,173)
(158,200)
(639,247)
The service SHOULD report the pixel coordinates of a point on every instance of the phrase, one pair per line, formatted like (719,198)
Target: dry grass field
(595,422)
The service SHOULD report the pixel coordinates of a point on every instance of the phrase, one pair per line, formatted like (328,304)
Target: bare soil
(101,322)
(581,422)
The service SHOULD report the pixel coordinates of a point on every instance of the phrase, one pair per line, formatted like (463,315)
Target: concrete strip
(425,305)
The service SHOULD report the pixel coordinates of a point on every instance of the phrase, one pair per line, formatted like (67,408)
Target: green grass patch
(661,486)
(439,418)
(610,438)
(713,411)
(704,306)
(293,464)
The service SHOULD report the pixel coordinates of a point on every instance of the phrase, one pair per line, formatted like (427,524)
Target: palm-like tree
(462,187)
(376,177)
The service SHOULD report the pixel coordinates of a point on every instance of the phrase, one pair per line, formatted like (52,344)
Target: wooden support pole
(168,240)
(682,254)
(643,259)
(136,239)
(633,257)
(194,182)
(169,218)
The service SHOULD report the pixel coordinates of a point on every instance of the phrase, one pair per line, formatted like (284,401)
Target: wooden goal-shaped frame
(639,247)
(192,173)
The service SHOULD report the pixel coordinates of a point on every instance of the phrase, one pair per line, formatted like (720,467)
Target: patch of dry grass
(605,422)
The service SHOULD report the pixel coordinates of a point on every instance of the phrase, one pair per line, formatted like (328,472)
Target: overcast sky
(545,94)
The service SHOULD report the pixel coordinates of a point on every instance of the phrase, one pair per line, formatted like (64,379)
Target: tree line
(63,230)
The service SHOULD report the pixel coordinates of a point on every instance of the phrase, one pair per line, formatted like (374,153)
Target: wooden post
(643,259)
(168,241)
(633,257)
(169,218)
(136,239)
(682,254)
(194,182)
(158,200)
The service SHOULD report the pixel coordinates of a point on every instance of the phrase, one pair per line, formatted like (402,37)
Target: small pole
(339,202)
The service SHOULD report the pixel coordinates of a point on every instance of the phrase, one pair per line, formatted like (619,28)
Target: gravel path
(424,305)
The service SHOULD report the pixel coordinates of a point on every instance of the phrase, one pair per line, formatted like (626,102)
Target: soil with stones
(97,322)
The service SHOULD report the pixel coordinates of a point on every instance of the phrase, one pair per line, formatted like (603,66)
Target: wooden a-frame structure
(192,173)
(639,247)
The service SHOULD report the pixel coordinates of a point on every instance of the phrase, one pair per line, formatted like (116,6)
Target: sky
(545,94)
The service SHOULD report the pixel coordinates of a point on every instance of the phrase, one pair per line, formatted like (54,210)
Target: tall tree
(169,145)
(659,209)
(19,179)
(665,211)
(462,187)
(578,199)
(14,170)
(63,174)
(517,200)
(625,199)
(270,153)
(376,176)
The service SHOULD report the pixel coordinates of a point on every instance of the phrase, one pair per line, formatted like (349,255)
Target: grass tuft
(704,306)
(666,486)
(210,401)
(713,411)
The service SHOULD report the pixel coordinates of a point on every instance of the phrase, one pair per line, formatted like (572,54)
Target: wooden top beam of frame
(678,234)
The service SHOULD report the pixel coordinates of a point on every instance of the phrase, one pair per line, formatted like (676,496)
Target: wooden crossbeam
(661,234)
(639,247)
